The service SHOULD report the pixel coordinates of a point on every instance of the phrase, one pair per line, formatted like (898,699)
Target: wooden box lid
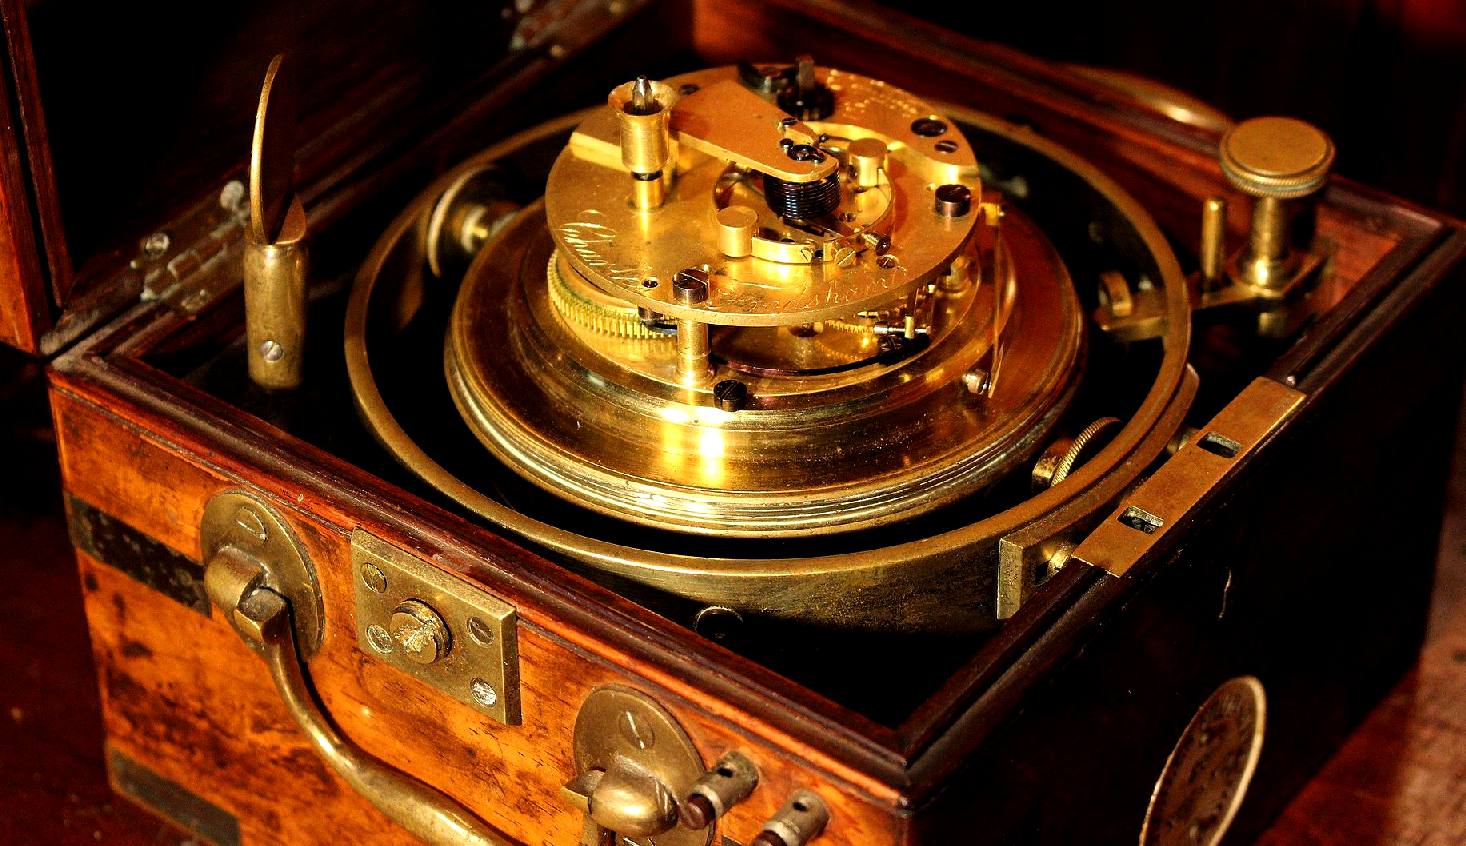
(122,117)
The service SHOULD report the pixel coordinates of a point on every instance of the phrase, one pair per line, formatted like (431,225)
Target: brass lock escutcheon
(634,763)
(259,576)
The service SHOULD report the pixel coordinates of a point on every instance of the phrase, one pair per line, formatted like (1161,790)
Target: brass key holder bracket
(634,762)
(438,629)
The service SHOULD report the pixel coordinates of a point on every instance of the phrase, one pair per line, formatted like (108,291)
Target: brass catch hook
(275,262)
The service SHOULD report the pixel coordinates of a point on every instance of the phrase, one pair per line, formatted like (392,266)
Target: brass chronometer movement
(787,360)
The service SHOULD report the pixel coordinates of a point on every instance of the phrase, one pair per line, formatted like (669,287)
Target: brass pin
(1213,241)
(643,109)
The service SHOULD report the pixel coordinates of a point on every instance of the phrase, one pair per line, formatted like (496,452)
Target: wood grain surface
(1400,780)
(183,696)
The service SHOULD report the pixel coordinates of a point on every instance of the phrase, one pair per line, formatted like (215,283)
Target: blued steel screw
(730,394)
(953,200)
(928,127)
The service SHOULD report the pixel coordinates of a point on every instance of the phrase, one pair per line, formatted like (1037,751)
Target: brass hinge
(1169,496)
(197,258)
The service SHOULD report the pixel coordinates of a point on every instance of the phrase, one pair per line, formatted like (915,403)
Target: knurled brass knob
(1277,157)
(419,632)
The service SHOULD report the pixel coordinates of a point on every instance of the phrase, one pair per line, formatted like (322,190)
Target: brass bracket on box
(1280,310)
(260,577)
(436,628)
(1173,493)
(1029,556)
(633,761)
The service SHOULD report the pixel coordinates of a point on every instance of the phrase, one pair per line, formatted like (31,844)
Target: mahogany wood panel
(24,303)
(181,694)
(1397,782)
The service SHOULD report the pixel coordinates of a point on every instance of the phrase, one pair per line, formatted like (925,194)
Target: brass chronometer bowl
(854,488)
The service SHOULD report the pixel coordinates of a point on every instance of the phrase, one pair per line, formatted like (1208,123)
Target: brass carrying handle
(262,618)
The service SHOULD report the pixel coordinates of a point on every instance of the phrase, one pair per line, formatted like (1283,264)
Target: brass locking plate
(438,629)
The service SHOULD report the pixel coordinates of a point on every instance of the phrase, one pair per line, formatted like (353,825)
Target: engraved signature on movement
(590,239)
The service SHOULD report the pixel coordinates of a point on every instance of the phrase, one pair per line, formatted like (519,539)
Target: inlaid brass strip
(1173,493)
(118,545)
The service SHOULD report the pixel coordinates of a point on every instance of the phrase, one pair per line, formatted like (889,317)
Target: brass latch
(634,762)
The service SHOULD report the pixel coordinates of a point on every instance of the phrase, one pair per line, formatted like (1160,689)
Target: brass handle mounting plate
(634,760)
(476,658)
(240,522)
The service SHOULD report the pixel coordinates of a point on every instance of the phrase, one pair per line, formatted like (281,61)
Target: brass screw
(483,693)
(421,633)
(379,639)
(250,521)
(977,381)
(636,730)
(691,285)
(953,200)
(156,245)
(373,577)
(730,395)
(479,632)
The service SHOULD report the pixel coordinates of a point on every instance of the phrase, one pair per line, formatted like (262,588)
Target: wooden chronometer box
(1304,560)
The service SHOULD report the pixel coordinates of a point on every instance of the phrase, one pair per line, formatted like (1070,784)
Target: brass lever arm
(262,618)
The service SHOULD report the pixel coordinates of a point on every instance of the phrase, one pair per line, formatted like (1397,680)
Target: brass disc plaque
(1207,774)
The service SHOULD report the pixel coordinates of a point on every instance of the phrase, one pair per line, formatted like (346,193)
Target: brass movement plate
(620,248)
(1206,776)
(479,663)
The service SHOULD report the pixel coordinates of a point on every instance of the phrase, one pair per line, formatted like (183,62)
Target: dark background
(1385,78)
